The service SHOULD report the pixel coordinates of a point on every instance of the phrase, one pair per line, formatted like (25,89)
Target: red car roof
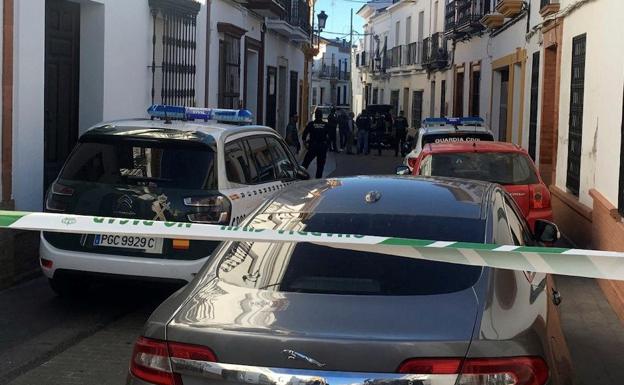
(480,146)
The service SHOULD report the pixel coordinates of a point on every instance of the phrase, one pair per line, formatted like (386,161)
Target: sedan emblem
(293,355)
(372,196)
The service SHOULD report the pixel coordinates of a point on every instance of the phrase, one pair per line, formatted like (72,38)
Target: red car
(504,163)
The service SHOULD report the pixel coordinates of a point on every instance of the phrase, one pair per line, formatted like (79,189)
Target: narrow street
(89,340)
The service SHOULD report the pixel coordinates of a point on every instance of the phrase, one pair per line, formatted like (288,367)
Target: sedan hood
(345,332)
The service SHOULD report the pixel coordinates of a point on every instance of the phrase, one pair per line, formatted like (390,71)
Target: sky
(339,12)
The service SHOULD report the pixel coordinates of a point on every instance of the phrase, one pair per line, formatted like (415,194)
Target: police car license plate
(148,245)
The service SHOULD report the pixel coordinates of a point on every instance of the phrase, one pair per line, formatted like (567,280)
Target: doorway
(281,95)
(62,71)
(458,108)
(405,107)
(503,105)
(271,97)
(394,101)
(417,101)
(294,86)
(252,75)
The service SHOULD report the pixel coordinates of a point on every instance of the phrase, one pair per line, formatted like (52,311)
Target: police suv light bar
(429,122)
(464,121)
(164,111)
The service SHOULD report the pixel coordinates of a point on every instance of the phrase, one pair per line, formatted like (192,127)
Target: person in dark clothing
(318,131)
(292,135)
(400,131)
(364,125)
(332,124)
(343,128)
(380,129)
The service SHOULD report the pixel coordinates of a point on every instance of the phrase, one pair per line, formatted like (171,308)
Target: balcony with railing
(412,53)
(267,8)
(468,16)
(549,7)
(449,17)
(435,52)
(326,70)
(394,56)
(294,23)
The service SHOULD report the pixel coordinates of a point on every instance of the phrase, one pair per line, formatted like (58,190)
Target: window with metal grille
(173,51)
(229,68)
(534,101)
(575,124)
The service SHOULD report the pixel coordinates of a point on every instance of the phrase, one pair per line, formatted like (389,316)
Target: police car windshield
(123,161)
(457,136)
(502,168)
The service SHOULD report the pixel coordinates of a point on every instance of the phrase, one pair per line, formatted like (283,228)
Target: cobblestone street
(46,340)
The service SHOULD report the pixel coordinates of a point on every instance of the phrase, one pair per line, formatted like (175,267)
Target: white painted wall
(602,112)
(115,81)
(28,67)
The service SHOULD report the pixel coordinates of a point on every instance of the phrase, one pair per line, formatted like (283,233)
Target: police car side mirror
(402,170)
(302,173)
(546,231)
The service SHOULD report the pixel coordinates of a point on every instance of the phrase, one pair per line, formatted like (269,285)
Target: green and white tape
(576,262)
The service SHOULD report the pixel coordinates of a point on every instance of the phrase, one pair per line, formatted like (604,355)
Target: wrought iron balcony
(298,14)
(468,14)
(294,23)
(449,17)
(325,70)
(435,52)
(267,8)
(412,53)
(394,56)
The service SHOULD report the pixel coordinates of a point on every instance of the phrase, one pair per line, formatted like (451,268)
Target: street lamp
(322,21)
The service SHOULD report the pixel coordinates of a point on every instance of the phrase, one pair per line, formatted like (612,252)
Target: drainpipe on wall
(208,34)
(7,105)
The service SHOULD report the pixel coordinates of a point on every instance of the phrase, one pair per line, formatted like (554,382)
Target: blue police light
(195,113)
(434,122)
(472,121)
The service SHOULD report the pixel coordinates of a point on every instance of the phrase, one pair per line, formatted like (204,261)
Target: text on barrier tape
(576,262)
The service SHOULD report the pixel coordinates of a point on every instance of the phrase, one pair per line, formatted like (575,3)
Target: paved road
(46,340)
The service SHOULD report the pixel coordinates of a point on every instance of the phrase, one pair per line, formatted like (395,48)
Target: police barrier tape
(576,262)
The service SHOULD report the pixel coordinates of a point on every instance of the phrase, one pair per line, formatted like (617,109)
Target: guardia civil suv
(215,169)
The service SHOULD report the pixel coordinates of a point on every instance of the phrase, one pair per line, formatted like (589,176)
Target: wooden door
(62,61)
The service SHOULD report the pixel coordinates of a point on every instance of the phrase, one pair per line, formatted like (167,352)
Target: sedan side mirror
(302,173)
(402,170)
(546,231)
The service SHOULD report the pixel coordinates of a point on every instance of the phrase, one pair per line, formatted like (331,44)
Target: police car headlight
(209,209)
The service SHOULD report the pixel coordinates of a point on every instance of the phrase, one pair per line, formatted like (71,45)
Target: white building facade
(79,62)
(394,58)
(331,74)
(544,74)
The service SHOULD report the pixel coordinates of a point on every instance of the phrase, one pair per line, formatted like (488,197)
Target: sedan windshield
(310,268)
(495,167)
